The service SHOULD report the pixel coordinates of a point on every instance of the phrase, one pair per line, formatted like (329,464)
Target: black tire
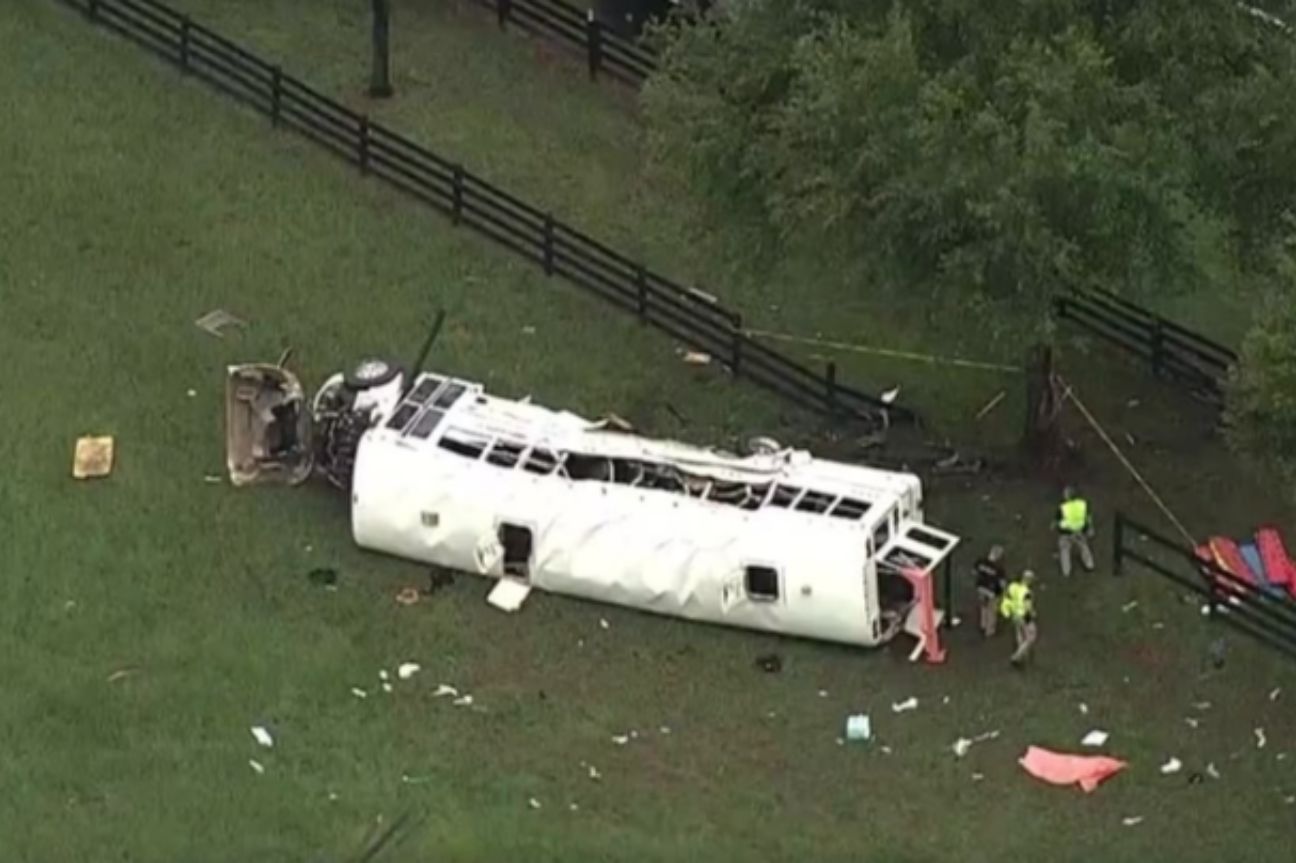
(371,372)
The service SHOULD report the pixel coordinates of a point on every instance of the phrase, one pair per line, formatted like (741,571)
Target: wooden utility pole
(380,82)
(1042,437)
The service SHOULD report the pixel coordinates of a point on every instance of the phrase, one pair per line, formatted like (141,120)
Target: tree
(990,154)
(380,79)
(1262,392)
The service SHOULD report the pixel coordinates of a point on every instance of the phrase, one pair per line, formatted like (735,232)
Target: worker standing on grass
(990,580)
(1074,527)
(1018,605)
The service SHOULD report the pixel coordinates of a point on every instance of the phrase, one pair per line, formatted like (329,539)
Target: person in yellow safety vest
(1018,605)
(1074,527)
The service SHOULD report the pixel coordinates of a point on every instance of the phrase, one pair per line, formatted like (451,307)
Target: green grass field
(134,200)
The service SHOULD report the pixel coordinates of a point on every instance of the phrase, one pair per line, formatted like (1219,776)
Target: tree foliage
(1000,151)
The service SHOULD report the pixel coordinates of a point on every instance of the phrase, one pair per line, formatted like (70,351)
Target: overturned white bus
(442,472)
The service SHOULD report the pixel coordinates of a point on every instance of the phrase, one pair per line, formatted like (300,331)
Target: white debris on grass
(1260,738)
(358,692)
(603,624)
(886,750)
(262,736)
(1202,705)
(620,739)
(191,393)
(533,803)
(572,806)
(1212,771)
(977,777)
(463,701)
(1273,695)
(1097,737)
(1129,606)
(1132,821)
(665,729)
(594,774)
(1174,765)
(1192,721)
(823,693)
(407,670)
(910,703)
(256,765)
(961,747)
(382,674)
(1084,709)
(443,690)
(386,687)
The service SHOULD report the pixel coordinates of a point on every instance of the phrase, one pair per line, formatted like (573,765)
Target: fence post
(502,10)
(276,94)
(736,345)
(830,382)
(1118,543)
(641,290)
(363,148)
(594,43)
(548,245)
(185,25)
(456,193)
(1158,347)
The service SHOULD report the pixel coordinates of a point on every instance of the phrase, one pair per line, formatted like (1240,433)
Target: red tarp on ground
(1059,768)
(1229,557)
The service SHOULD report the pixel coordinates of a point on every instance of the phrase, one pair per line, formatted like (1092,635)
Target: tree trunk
(380,82)
(1042,438)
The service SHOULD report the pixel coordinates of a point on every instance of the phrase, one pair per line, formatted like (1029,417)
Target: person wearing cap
(1018,605)
(990,580)
(1074,526)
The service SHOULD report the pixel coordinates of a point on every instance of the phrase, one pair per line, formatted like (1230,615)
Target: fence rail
(690,315)
(1173,351)
(605,50)
(1265,617)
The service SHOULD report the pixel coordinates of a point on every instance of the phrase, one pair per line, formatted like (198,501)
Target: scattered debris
(406,670)
(1058,768)
(910,703)
(508,594)
(889,396)
(122,674)
(886,750)
(603,624)
(1158,625)
(859,727)
(945,699)
(191,393)
(93,457)
(1260,738)
(572,806)
(533,803)
(217,321)
(696,358)
(407,595)
(332,796)
(1290,799)
(620,739)
(1129,606)
(443,689)
(463,701)
(1274,693)
(1174,765)
(383,675)
(386,687)
(358,692)
(1084,709)
(977,777)
(256,765)
(771,663)
(1192,721)
(414,780)
(594,774)
(262,736)
(211,479)
(823,693)
(528,330)
(1132,821)
(665,729)
(323,576)
(1095,738)
(961,747)
(1202,705)
(990,405)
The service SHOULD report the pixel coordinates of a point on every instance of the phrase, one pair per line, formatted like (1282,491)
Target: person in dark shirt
(990,581)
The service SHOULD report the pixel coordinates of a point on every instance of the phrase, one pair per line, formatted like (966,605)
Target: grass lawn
(133,201)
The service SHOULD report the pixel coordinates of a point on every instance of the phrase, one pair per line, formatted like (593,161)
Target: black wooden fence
(1268,618)
(1174,352)
(604,48)
(689,315)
